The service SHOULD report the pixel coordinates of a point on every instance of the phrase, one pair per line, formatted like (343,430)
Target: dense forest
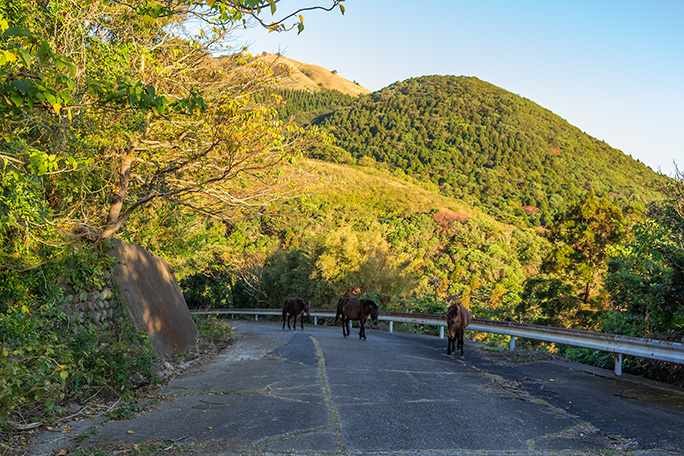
(432,190)
(493,149)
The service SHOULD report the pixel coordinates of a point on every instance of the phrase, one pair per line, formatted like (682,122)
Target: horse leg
(362,330)
(460,342)
(288,319)
(294,324)
(344,326)
(301,321)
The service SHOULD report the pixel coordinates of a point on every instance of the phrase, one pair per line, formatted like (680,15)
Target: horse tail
(467,318)
(452,314)
(339,311)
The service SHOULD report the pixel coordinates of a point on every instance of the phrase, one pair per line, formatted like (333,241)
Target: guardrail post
(256,317)
(441,332)
(618,364)
(391,326)
(315,321)
(511,343)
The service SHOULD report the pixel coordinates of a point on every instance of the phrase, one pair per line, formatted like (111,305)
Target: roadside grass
(214,336)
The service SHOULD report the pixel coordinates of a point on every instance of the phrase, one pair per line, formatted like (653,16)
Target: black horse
(356,309)
(295,306)
(458,318)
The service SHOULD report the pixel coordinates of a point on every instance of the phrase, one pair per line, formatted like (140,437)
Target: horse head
(371,308)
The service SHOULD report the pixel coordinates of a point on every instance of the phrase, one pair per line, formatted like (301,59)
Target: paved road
(312,392)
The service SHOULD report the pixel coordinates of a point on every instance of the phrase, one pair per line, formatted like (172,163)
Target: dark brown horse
(295,306)
(458,318)
(356,309)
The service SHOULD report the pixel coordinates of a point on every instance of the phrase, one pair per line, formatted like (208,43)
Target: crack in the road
(325,389)
(332,411)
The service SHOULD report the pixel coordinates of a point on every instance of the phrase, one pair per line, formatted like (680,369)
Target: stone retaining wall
(93,306)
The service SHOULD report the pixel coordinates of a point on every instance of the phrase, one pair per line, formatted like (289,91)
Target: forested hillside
(363,227)
(489,147)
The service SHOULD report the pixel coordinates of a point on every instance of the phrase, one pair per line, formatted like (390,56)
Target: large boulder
(154,300)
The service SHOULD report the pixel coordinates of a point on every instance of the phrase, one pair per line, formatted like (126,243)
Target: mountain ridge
(296,75)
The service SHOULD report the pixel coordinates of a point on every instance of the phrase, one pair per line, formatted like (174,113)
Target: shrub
(48,359)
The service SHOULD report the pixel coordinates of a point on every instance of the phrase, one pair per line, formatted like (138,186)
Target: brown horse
(295,306)
(458,318)
(356,309)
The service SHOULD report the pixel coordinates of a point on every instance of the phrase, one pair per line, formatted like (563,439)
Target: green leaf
(71,160)
(22,85)
(300,27)
(25,57)
(16,31)
(17,100)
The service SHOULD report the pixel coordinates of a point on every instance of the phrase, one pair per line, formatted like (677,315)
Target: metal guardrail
(611,343)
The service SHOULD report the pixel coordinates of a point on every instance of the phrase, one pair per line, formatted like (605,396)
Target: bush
(214,332)
(48,359)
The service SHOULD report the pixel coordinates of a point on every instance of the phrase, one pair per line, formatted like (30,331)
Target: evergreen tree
(569,288)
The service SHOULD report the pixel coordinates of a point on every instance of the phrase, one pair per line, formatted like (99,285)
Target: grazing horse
(295,306)
(356,309)
(458,318)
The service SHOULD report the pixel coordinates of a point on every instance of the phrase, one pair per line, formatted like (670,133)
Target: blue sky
(614,69)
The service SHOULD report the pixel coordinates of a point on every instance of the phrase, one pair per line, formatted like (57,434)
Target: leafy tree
(347,257)
(109,106)
(646,276)
(569,290)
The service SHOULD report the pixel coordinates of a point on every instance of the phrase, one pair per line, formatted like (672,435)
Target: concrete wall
(154,300)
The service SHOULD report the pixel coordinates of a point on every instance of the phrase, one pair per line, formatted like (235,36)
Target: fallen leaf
(66,430)
(131,432)
(62,453)
(210,427)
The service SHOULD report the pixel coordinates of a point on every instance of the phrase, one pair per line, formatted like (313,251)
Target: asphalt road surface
(313,392)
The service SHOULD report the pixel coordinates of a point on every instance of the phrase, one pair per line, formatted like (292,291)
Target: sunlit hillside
(477,142)
(296,75)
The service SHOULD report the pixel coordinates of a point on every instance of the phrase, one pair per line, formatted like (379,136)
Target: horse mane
(454,307)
